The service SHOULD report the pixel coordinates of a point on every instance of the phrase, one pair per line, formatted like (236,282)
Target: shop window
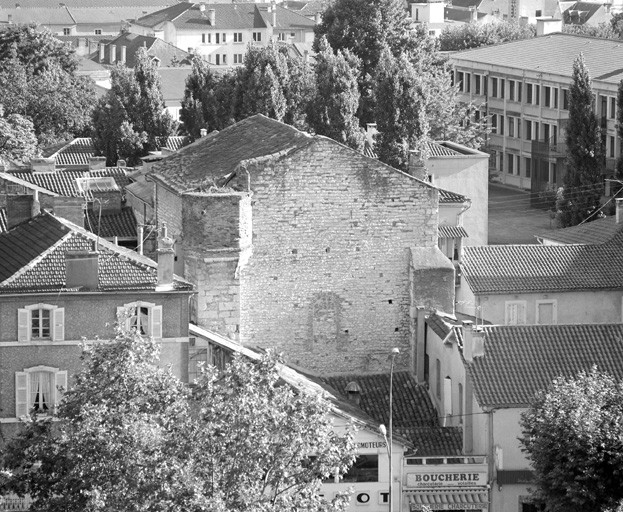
(38,389)
(364,469)
(41,322)
(143,317)
(515,312)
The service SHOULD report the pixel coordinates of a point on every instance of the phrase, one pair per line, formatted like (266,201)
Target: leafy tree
(332,111)
(131,117)
(474,35)
(17,138)
(38,81)
(573,435)
(616,22)
(366,27)
(585,151)
(603,30)
(131,437)
(199,106)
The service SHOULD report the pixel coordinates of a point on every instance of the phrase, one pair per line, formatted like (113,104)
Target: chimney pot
(166,259)
(619,210)
(353,392)
(468,342)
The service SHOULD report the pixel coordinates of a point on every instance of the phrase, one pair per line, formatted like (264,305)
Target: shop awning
(448,500)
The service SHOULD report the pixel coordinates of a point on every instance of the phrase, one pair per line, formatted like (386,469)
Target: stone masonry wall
(327,282)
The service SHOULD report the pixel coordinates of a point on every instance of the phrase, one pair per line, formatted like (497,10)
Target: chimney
(473,14)
(166,258)
(478,339)
(121,163)
(353,392)
(19,208)
(9,18)
(70,208)
(468,341)
(112,54)
(97,162)
(273,5)
(417,169)
(35,207)
(42,164)
(124,50)
(102,53)
(203,132)
(81,269)
(212,17)
(619,210)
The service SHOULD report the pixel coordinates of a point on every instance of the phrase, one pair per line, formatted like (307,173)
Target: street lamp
(394,353)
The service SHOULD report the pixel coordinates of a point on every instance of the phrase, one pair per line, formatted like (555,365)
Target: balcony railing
(549,148)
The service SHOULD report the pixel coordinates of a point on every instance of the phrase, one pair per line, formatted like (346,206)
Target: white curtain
(41,391)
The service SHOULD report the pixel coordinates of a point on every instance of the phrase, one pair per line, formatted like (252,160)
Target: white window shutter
(521,314)
(123,317)
(21,394)
(23,325)
(156,321)
(58,324)
(60,386)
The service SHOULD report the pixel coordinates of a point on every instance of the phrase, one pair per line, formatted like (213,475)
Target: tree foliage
(130,437)
(573,435)
(38,81)
(18,141)
(200,105)
(333,109)
(131,117)
(474,35)
(585,151)
(603,30)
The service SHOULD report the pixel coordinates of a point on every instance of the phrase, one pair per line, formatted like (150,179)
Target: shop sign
(372,444)
(450,506)
(447,479)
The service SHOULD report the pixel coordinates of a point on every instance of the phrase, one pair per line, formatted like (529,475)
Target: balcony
(549,148)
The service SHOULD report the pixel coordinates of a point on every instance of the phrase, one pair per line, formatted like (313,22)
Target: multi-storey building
(523,88)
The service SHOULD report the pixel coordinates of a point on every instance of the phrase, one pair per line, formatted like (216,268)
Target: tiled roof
(465,4)
(109,14)
(580,12)
(209,159)
(32,259)
(446,196)
(414,416)
(460,15)
(3,220)
(76,152)
(142,189)
(174,142)
(553,53)
(542,268)
(38,4)
(165,52)
(63,182)
(173,85)
(520,360)
(121,224)
(436,149)
(598,231)
(452,232)
(227,16)
(41,15)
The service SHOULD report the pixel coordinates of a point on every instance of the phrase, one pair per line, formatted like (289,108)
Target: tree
(573,435)
(603,30)
(38,81)
(130,437)
(332,112)
(366,27)
(585,151)
(131,118)
(17,138)
(199,106)
(474,35)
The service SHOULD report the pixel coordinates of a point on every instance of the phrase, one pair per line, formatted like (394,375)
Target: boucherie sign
(447,479)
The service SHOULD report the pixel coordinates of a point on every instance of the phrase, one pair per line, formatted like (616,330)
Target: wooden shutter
(23,325)
(156,321)
(521,313)
(123,316)
(60,386)
(21,394)
(58,324)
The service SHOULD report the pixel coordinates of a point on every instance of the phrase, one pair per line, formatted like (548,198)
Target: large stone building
(298,242)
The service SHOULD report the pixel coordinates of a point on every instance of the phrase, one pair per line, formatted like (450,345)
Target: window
(515,312)
(538,13)
(218,59)
(468,82)
(217,38)
(528,132)
(565,99)
(237,58)
(555,97)
(364,469)
(501,124)
(257,36)
(145,317)
(511,90)
(224,37)
(66,31)
(528,167)
(237,37)
(533,92)
(511,127)
(98,31)
(552,173)
(511,163)
(38,388)
(502,83)
(494,87)
(529,93)
(546,312)
(224,59)
(611,146)
(203,38)
(41,322)
(547,99)
(438,378)
(281,36)
(460,80)
(613,108)
(494,123)
(477,84)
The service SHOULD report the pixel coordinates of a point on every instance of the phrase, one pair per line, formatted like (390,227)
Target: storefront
(442,483)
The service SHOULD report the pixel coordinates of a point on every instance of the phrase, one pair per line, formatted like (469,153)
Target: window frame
(257,37)
(25,327)
(516,303)
(554,304)
(23,390)
(127,312)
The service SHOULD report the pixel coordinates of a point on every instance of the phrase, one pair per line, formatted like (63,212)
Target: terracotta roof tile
(520,360)
(32,259)
(447,197)
(120,224)
(436,149)
(414,416)
(3,220)
(542,268)
(591,233)
(452,232)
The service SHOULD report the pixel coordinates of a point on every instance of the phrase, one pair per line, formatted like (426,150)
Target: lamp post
(395,352)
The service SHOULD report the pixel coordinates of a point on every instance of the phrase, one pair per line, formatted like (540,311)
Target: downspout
(490,460)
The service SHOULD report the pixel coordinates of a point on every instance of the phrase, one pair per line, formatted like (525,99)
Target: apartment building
(523,88)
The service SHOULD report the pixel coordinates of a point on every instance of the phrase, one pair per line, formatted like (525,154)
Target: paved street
(511,220)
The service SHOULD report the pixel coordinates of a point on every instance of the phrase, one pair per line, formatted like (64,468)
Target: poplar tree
(585,152)
(332,111)
(199,106)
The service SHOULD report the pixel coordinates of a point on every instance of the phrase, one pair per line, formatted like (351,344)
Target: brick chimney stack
(166,259)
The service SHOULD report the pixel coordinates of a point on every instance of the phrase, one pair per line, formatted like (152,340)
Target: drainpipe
(490,460)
